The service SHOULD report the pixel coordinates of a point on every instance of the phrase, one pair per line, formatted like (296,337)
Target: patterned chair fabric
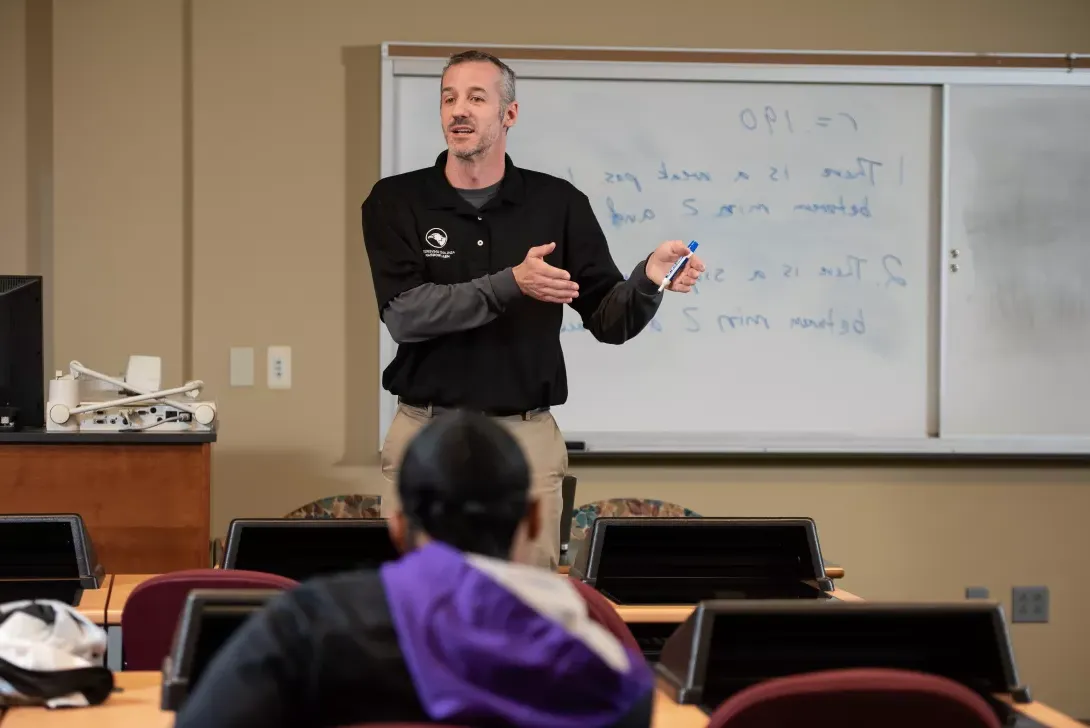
(585,514)
(341,506)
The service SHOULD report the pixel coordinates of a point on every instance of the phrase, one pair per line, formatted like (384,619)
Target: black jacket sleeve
(613,309)
(258,677)
(324,653)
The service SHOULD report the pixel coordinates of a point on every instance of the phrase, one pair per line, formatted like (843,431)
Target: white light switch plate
(279,367)
(242,366)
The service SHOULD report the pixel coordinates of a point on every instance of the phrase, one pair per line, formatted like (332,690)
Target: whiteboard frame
(940,76)
(944,250)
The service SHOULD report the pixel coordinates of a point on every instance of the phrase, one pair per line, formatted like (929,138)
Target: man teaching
(472,260)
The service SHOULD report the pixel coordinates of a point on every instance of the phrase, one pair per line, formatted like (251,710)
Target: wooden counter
(144,497)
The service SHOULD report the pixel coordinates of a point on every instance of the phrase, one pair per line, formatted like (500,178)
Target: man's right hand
(539,280)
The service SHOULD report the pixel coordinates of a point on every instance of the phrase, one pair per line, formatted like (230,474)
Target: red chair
(863,696)
(602,611)
(151,612)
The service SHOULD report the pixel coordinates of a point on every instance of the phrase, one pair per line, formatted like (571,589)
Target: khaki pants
(545,451)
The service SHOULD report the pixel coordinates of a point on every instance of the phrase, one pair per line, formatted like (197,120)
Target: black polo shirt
(422,236)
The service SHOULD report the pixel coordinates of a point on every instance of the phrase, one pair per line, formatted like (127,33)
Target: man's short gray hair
(507,76)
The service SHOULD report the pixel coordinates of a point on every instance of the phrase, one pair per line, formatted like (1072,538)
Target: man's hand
(663,259)
(539,280)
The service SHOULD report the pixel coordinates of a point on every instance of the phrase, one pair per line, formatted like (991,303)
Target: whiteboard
(817,199)
(1017,336)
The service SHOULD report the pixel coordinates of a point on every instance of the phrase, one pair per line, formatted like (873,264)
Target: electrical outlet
(1029,604)
(279,374)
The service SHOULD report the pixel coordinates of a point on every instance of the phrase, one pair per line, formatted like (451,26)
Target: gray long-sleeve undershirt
(432,309)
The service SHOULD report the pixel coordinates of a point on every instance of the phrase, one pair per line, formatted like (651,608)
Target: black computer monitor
(649,560)
(47,556)
(300,548)
(22,368)
(726,646)
(208,619)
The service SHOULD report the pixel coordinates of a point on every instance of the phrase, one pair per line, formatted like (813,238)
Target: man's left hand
(663,259)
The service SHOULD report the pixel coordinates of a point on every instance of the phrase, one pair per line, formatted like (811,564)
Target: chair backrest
(585,515)
(601,611)
(858,696)
(341,506)
(151,612)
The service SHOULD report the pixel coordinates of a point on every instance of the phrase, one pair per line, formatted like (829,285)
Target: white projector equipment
(134,404)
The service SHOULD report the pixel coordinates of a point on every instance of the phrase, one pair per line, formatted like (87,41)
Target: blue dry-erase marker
(678,266)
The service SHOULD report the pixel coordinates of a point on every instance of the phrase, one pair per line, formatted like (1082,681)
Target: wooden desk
(1039,712)
(832,572)
(138,704)
(680,612)
(145,497)
(123,585)
(120,589)
(93,603)
(668,714)
(138,707)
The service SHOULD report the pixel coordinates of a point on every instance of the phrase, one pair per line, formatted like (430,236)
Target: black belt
(434,409)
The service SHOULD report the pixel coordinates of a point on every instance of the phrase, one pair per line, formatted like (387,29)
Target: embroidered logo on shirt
(437,238)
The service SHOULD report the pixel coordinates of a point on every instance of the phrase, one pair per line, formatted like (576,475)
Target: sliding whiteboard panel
(1017,336)
(815,206)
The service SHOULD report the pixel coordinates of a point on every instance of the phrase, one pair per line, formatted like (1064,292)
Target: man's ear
(399,530)
(511,114)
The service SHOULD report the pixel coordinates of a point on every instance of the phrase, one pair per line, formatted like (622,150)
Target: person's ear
(510,114)
(533,520)
(399,531)
(526,534)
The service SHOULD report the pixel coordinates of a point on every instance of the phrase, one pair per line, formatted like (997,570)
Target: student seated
(452,632)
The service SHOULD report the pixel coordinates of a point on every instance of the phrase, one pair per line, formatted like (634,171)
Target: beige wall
(207,169)
(13,138)
(26,146)
(117,190)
